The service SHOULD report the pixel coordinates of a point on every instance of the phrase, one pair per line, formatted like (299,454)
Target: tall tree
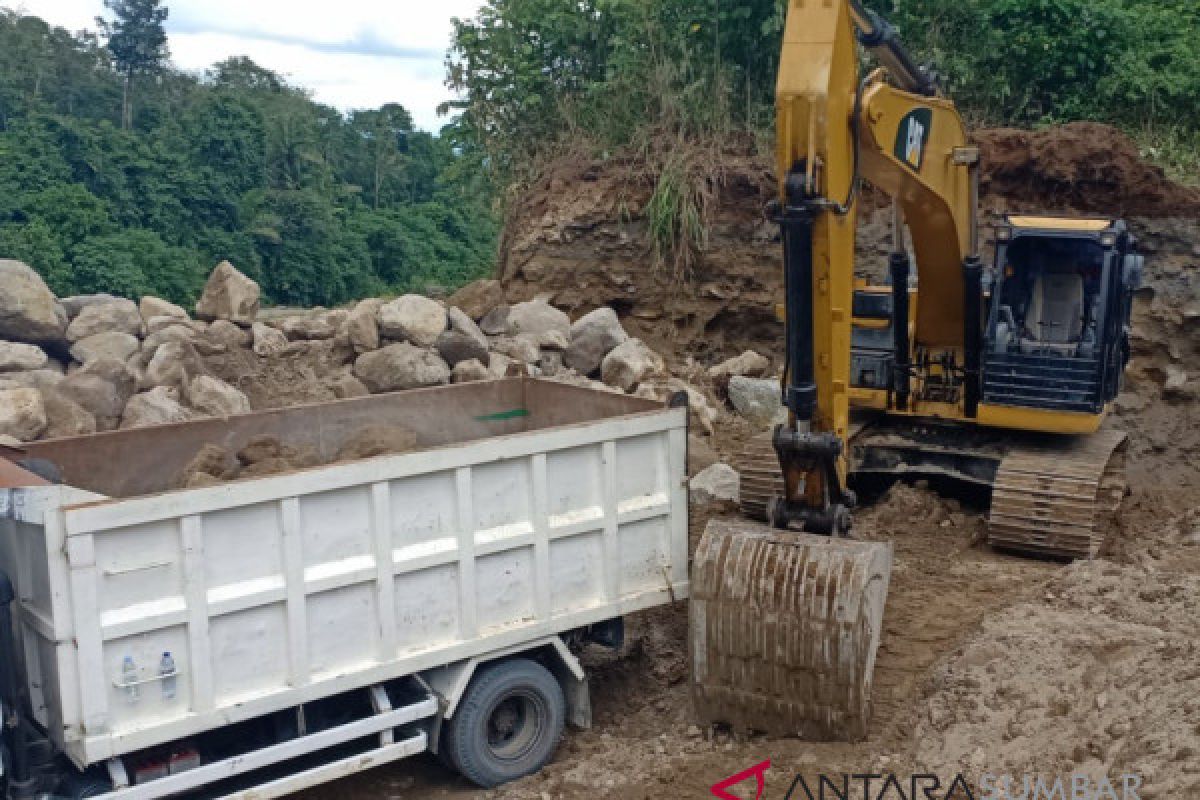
(138,43)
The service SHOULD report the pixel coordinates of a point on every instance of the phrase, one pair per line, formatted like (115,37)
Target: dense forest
(122,174)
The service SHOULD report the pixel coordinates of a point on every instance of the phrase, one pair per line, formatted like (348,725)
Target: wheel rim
(514,725)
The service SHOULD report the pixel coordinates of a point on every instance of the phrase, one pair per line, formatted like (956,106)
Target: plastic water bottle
(166,674)
(129,677)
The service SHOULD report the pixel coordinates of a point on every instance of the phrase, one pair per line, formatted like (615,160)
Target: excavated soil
(988,662)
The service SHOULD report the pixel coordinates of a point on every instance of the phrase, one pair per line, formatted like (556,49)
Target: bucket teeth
(1059,501)
(785,628)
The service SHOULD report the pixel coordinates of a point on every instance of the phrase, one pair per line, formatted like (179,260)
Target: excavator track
(1059,501)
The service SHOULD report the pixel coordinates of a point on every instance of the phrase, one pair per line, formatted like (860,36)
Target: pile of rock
(95,363)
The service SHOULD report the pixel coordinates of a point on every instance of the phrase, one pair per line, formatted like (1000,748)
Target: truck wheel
(508,723)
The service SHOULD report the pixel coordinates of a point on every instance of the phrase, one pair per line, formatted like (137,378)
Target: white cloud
(351,54)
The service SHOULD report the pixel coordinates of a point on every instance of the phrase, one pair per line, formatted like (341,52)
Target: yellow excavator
(994,378)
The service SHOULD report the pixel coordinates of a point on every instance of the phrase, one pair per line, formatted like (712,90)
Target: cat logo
(913,136)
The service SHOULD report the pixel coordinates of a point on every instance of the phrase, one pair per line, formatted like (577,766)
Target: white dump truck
(258,636)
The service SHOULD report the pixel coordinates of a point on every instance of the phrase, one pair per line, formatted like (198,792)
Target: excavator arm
(833,133)
(786,625)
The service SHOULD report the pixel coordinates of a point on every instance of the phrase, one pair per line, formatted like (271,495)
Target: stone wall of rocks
(79,365)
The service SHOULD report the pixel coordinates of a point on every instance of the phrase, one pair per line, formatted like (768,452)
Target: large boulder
(65,416)
(495,322)
(718,485)
(229,295)
(362,326)
(701,414)
(151,307)
(268,341)
(630,363)
(226,333)
(102,387)
(464,341)
(76,303)
(478,298)
(30,379)
(401,366)
(173,364)
(159,406)
(468,371)
(413,318)
(22,414)
(29,311)
(748,364)
(116,345)
(523,348)
(756,399)
(539,318)
(593,336)
(16,356)
(215,397)
(308,327)
(172,333)
(121,316)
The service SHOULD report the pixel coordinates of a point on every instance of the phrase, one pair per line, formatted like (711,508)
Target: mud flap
(784,630)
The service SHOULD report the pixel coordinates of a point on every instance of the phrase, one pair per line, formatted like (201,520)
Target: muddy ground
(989,662)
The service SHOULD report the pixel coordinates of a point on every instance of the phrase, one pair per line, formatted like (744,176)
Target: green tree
(138,43)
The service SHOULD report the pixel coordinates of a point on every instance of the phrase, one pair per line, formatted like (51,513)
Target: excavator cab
(1058,317)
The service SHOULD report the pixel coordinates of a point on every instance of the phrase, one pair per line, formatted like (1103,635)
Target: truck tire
(508,723)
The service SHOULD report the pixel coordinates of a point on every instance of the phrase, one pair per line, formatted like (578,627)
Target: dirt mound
(1083,166)
(1100,678)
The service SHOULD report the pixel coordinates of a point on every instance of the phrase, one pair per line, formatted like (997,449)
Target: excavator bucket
(785,627)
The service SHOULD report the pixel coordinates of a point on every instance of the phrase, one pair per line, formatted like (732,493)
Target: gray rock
(111,344)
(455,347)
(172,364)
(32,379)
(362,326)
(22,414)
(159,406)
(16,356)
(120,316)
(539,318)
(347,387)
(748,364)
(469,371)
(478,298)
(222,331)
(29,311)
(311,327)
(502,366)
(156,324)
(522,348)
(151,307)
(719,484)
(102,387)
(268,341)
(172,333)
(756,399)
(229,295)
(593,336)
(73,305)
(701,414)
(630,363)
(495,322)
(401,366)
(66,417)
(215,397)
(414,319)
(461,323)
(550,363)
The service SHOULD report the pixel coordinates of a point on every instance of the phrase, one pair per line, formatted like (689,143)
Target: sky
(349,53)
